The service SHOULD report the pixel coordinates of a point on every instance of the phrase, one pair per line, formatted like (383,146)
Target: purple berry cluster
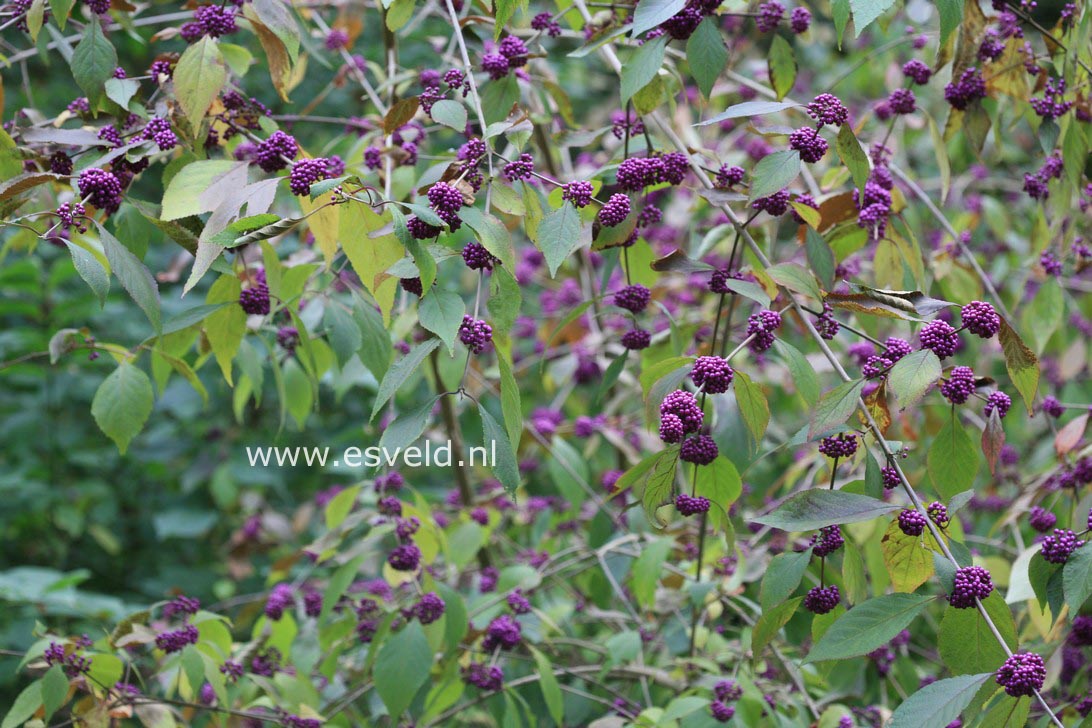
(255,298)
(828,540)
(712,374)
(276,152)
(970,583)
(1057,548)
(1041,519)
(761,326)
(1022,674)
(477,257)
(809,144)
(615,211)
(578,192)
(966,90)
(842,445)
(939,336)
(679,415)
(690,505)
(306,172)
(100,188)
(634,298)
(912,523)
(429,608)
(938,513)
(959,386)
(700,450)
(981,319)
(446,201)
(822,600)
(997,402)
(476,334)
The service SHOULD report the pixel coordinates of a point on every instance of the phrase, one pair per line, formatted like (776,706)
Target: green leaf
(953,459)
(812,509)
(134,277)
(866,11)
(441,312)
(853,156)
(501,450)
(966,643)
(121,90)
(1077,579)
(682,707)
(400,371)
(660,483)
(559,235)
(54,690)
(951,15)
(407,427)
(1044,313)
(61,10)
(450,113)
(198,79)
(797,278)
(773,173)
(1021,362)
(122,404)
(803,374)
(867,626)
(782,577)
(781,66)
(90,270)
(24,707)
(494,236)
(912,376)
(752,406)
(93,61)
(505,10)
(339,507)
(643,66)
(835,407)
(403,666)
(645,573)
(706,54)
(938,704)
(909,563)
(547,682)
(747,109)
(505,300)
(342,332)
(183,195)
(768,625)
(225,328)
(375,349)
(510,400)
(651,13)
(820,257)
(719,481)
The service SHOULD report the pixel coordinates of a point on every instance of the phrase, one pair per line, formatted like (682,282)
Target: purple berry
(633,298)
(827,541)
(615,211)
(821,600)
(911,523)
(970,583)
(700,450)
(712,374)
(1022,674)
(691,505)
(939,336)
(959,386)
(981,319)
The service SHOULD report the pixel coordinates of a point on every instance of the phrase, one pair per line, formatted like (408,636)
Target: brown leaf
(678,262)
(24,182)
(400,114)
(993,438)
(1068,437)
(876,402)
(836,209)
(280,64)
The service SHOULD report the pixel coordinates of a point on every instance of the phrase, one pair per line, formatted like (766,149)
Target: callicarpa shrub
(770,319)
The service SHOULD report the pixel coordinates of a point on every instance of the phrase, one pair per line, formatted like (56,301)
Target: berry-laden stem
(833,472)
(454,433)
